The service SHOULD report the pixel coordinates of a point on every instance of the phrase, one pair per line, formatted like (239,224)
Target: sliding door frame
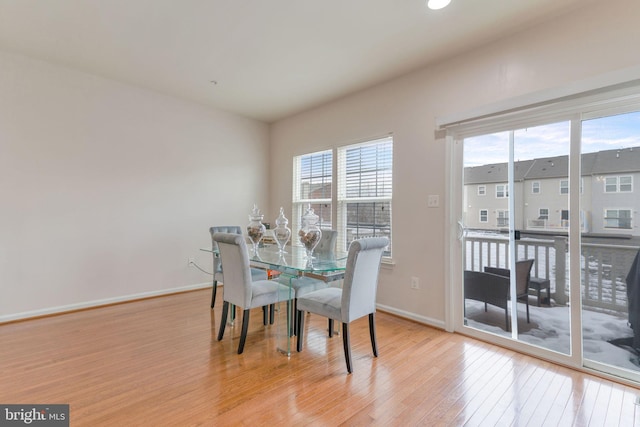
(600,102)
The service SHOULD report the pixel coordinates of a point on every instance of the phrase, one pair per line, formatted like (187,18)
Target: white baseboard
(98,303)
(412,316)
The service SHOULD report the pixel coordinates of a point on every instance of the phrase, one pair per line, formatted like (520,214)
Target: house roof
(608,162)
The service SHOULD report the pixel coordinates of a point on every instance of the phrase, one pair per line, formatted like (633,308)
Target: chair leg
(272,312)
(372,332)
(213,293)
(245,327)
(347,345)
(265,315)
(528,309)
(539,289)
(223,320)
(299,327)
(330,328)
(506,319)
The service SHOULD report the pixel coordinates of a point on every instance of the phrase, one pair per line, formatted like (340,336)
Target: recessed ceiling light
(437,4)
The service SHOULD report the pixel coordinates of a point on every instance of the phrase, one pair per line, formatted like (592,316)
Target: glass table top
(295,260)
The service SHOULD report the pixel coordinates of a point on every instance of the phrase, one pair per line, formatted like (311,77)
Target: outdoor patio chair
(492,286)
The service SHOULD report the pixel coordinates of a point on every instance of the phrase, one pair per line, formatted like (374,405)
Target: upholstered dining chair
(304,284)
(356,298)
(239,287)
(256,273)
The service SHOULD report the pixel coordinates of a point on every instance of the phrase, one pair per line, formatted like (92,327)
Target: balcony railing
(604,267)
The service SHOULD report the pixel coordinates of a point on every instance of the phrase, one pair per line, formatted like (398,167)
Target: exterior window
(618,184)
(312,183)
(365,178)
(626,184)
(482,190)
(564,186)
(503,218)
(484,215)
(617,218)
(543,213)
(502,191)
(363,195)
(535,187)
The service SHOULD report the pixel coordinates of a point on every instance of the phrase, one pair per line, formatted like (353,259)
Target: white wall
(107,189)
(597,40)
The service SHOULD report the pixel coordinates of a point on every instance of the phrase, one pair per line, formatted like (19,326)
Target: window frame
(617,184)
(486,216)
(536,187)
(383,172)
(540,214)
(501,216)
(299,203)
(617,218)
(340,201)
(502,191)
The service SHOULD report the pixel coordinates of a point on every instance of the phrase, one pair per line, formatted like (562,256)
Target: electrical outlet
(433,201)
(190,261)
(415,283)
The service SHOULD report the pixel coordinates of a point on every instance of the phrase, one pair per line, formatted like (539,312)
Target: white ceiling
(270,58)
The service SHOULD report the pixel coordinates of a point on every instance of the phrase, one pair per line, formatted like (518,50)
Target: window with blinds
(312,184)
(362,200)
(365,190)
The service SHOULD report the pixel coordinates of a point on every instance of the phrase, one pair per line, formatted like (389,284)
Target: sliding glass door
(610,154)
(515,243)
(560,200)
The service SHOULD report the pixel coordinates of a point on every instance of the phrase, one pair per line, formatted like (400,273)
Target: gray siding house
(610,202)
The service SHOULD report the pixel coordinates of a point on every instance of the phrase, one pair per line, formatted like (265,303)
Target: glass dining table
(292,263)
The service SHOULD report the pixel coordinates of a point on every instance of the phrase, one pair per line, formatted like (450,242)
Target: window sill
(388,263)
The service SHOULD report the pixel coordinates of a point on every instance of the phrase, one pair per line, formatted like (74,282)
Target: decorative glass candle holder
(255,229)
(310,233)
(281,233)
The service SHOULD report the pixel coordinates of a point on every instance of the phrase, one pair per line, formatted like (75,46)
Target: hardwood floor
(157,362)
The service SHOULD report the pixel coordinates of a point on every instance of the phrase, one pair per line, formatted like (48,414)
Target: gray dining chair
(357,297)
(239,287)
(256,273)
(304,284)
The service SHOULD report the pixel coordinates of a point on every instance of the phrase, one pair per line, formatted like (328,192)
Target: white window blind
(312,184)
(365,191)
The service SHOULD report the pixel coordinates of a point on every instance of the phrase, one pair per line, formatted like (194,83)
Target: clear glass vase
(310,232)
(281,233)
(255,229)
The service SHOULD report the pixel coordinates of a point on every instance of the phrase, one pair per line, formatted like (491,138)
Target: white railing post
(560,247)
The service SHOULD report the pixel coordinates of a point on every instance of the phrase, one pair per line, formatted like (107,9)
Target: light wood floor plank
(157,362)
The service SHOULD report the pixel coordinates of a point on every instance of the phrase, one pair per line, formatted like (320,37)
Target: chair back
(523,274)
(361,277)
(217,264)
(327,243)
(237,272)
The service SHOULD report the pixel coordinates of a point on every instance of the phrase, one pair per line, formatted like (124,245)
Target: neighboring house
(609,200)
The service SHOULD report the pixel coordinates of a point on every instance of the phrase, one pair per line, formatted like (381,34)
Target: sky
(606,133)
